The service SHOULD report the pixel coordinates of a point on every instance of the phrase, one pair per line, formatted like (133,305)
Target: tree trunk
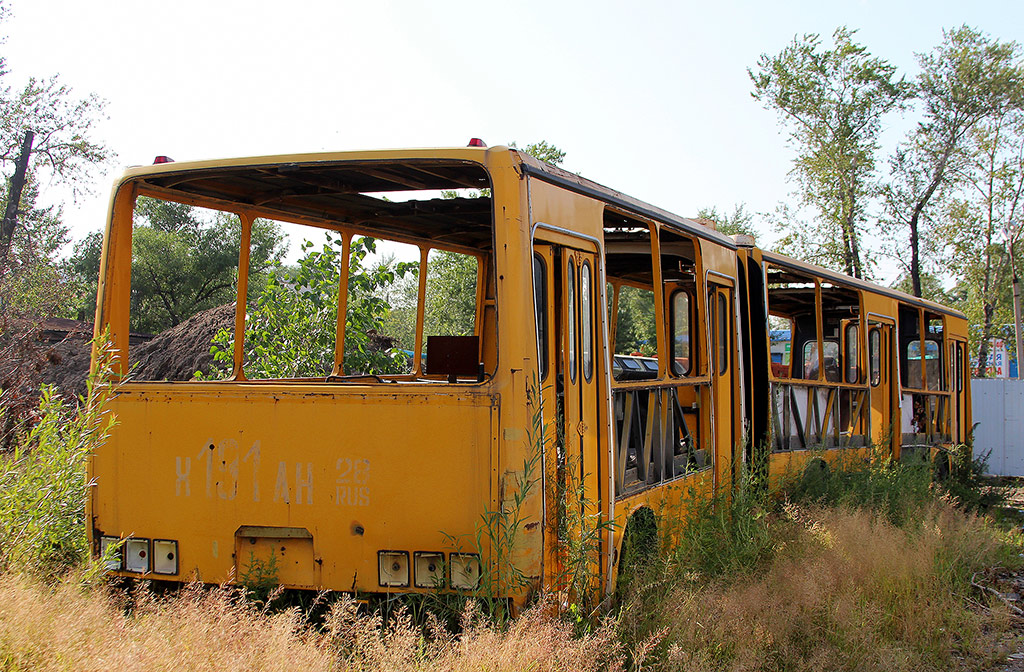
(14,200)
(915,258)
(986,337)
(915,217)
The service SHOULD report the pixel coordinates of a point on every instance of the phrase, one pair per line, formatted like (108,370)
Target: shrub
(42,484)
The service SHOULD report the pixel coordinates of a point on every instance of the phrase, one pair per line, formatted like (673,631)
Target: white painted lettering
(207,452)
(183,476)
(281,488)
(254,455)
(227,485)
(304,484)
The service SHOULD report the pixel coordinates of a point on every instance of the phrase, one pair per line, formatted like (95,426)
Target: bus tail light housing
(115,561)
(428,569)
(136,555)
(393,569)
(165,556)
(465,570)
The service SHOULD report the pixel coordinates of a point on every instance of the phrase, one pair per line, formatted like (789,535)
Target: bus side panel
(360,472)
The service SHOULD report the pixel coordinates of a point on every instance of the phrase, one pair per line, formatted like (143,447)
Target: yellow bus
(601,359)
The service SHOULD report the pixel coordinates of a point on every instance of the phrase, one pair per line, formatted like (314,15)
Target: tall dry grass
(68,628)
(846,589)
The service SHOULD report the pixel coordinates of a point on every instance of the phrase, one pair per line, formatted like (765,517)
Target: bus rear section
(318,417)
(319,487)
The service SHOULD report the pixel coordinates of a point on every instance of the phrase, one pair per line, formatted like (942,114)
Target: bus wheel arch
(639,543)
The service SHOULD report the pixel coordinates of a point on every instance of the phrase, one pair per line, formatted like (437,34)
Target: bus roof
(841,279)
(573,182)
(530,165)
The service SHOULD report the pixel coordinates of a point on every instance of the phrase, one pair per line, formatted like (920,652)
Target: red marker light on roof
(476,142)
(162,159)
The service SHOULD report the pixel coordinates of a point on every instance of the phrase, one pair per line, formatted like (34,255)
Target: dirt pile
(176,354)
(180,351)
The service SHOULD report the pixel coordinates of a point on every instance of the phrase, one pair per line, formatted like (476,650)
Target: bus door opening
(573,465)
(721,318)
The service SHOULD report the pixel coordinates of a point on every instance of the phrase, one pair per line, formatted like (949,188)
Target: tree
(982,227)
(291,329)
(832,102)
(740,222)
(542,150)
(967,79)
(184,260)
(62,147)
(635,326)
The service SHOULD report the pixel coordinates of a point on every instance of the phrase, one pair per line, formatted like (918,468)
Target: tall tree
(965,80)
(184,260)
(982,225)
(63,149)
(832,102)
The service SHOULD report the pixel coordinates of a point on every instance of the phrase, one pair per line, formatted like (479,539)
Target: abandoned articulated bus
(607,360)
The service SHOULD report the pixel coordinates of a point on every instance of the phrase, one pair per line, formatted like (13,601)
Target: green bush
(43,488)
(879,483)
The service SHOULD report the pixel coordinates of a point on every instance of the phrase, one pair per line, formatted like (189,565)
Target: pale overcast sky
(650,98)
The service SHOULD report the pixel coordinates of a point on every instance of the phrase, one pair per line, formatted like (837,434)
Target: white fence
(998,410)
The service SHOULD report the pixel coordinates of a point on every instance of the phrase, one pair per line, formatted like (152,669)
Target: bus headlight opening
(136,555)
(115,560)
(393,569)
(465,570)
(165,556)
(428,569)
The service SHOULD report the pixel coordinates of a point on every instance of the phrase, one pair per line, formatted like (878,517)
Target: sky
(652,99)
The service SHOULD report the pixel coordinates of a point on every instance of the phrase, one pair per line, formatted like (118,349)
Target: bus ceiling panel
(335,178)
(341,196)
(633,268)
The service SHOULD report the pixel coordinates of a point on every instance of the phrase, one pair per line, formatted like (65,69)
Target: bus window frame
(131,189)
(851,364)
(540,309)
(689,332)
(587,320)
(875,356)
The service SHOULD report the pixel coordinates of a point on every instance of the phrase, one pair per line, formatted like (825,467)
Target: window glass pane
(723,334)
(852,366)
(540,290)
(572,313)
(811,360)
(875,356)
(832,374)
(681,333)
(933,365)
(586,321)
(914,364)
(451,294)
(400,293)
(832,371)
(635,335)
(381,273)
(780,334)
(959,367)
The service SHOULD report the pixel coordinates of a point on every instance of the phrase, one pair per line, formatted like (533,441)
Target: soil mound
(176,354)
(181,351)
